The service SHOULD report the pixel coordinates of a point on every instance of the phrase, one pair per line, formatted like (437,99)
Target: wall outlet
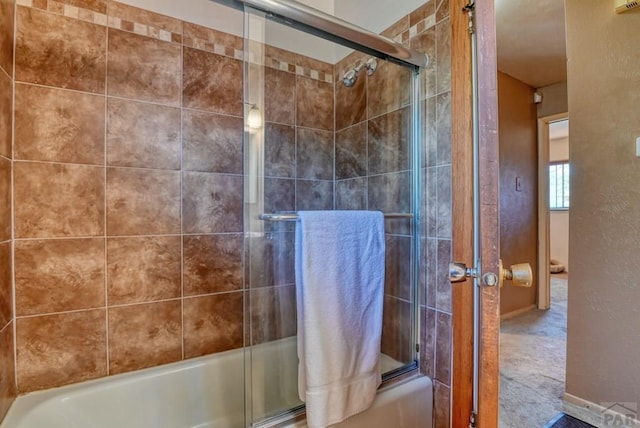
(518,184)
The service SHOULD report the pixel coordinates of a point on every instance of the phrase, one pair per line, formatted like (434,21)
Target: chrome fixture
(313,21)
(350,77)
(294,216)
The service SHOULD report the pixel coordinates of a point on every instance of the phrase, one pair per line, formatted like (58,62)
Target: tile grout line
(13,220)
(181,142)
(105,189)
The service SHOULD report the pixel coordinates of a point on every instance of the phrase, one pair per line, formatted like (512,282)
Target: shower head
(350,77)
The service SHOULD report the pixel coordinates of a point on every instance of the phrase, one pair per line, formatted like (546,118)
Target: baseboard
(517,312)
(602,415)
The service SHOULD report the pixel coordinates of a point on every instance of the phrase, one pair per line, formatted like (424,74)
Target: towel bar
(294,217)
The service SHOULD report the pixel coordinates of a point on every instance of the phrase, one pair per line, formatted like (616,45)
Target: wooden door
(489,297)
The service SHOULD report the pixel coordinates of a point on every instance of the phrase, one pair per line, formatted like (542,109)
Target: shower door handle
(519,274)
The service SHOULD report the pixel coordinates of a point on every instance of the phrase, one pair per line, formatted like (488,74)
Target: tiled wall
(7,351)
(128,187)
(298,175)
(370,118)
(128,191)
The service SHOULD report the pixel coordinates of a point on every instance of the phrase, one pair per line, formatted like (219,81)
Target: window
(559,185)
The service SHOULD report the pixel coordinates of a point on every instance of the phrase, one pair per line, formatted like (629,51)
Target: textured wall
(518,209)
(7,319)
(554,99)
(602,336)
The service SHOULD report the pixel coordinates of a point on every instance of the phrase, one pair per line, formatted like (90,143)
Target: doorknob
(519,274)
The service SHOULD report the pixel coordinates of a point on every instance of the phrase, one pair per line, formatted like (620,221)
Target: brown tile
(314,154)
(427,9)
(444,201)
(279,195)
(8,390)
(443,55)
(397,28)
(442,11)
(431,272)
(194,31)
(279,150)
(426,43)
(388,89)
(6,35)
(56,51)
(314,106)
(56,350)
(314,64)
(212,203)
(54,200)
(396,330)
(59,275)
(212,264)
(443,348)
(6,115)
(212,142)
(212,82)
(143,269)
(142,135)
(389,144)
(142,202)
(351,103)
(442,284)
(212,324)
(314,195)
(443,128)
(279,96)
(6,294)
(59,126)
(390,192)
(350,61)
(141,16)
(442,404)
(143,69)
(273,313)
(427,341)
(351,194)
(280,55)
(272,258)
(351,152)
(144,335)
(5,198)
(99,6)
(397,281)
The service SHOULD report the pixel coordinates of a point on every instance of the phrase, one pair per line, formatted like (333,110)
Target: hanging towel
(339,290)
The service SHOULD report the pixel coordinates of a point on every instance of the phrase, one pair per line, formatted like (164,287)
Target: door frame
(544,252)
(488,376)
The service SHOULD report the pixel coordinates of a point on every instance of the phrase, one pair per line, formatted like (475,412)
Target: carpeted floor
(532,363)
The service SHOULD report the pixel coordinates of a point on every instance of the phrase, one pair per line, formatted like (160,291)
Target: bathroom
(142,141)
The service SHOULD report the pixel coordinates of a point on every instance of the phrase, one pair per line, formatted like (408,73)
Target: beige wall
(554,99)
(518,209)
(603,316)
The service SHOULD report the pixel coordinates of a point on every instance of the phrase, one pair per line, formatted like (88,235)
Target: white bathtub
(206,392)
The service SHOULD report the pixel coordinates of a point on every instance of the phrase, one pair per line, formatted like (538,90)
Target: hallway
(532,362)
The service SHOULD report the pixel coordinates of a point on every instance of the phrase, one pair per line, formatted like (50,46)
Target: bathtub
(206,392)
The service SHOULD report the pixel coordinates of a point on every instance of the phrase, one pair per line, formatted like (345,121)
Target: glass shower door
(327,128)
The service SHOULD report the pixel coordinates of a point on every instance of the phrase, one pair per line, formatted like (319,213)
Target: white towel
(339,286)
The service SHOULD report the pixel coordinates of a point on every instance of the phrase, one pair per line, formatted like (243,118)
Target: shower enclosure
(327,127)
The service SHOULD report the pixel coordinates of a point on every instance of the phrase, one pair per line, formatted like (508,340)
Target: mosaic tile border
(118,23)
(418,28)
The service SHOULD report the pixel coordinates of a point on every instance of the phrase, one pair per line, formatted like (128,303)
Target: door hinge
(472,420)
(417,348)
(470,10)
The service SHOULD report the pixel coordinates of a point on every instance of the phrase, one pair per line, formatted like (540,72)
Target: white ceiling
(531,40)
